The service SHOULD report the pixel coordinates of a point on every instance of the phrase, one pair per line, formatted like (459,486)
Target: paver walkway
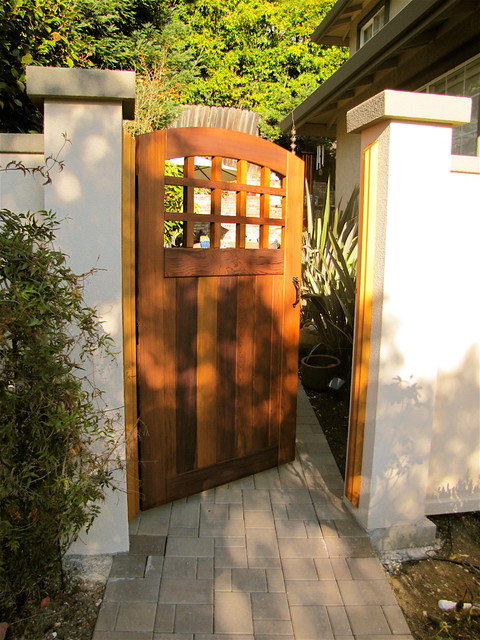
(274,556)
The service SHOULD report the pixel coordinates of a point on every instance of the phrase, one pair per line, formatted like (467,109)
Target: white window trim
(370,23)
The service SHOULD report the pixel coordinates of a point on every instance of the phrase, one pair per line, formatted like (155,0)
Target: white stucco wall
(21,192)
(454,472)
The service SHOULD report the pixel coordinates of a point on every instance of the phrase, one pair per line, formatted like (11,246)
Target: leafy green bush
(55,444)
(329,267)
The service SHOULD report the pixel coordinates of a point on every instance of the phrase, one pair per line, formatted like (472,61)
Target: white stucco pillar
(412,133)
(83,113)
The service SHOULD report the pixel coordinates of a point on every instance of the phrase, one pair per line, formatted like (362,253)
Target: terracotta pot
(317,369)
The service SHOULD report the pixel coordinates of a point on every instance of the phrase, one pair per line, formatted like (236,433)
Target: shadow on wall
(454,476)
(427,438)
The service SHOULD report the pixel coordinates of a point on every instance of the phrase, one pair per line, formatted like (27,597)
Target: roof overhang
(427,38)
(335,28)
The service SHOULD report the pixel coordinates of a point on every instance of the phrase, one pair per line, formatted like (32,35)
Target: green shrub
(55,443)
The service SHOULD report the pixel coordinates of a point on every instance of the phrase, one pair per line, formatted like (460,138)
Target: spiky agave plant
(329,266)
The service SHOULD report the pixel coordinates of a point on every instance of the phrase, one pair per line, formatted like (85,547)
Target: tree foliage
(55,444)
(39,32)
(253,54)
(257,54)
(115,34)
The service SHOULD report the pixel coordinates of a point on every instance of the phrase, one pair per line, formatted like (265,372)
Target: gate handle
(296,284)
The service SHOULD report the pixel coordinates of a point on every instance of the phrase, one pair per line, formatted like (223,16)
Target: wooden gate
(217,326)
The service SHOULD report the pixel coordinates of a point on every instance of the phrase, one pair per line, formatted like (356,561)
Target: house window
(372,24)
(462,81)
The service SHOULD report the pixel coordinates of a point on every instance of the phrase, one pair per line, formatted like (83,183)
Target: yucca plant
(329,266)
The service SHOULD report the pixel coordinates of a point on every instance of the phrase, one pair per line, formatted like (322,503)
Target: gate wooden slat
(167,421)
(228,144)
(189,199)
(207,379)
(245,344)
(186,387)
(276,361)
(222,262)
(264,321)
(220,473)
(224,186)
(216,203)
(241,235)
(226,366)
(263,236)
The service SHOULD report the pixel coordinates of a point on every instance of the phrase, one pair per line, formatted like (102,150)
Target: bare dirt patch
(451,572)
(71,612)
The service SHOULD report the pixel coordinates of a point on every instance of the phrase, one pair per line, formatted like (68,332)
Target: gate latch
(296,284)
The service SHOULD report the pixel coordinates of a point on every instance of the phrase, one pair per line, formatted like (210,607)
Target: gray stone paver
(136,616)
(249,580)
(273,556)
(366,620)
(165,618)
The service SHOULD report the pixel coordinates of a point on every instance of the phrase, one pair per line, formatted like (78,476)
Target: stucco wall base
(465,505)
(408,536)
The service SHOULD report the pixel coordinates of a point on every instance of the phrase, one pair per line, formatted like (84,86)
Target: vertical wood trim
(264,231)
(241,232)
(188,201)
(207,371)
(292,240)
(363,322)
(216,203)
(129,323)
(153,305)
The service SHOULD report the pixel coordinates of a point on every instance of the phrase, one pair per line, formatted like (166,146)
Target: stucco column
(83,113)
(411,134)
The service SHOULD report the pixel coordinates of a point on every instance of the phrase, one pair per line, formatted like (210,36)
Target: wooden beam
(129,323)
(184,263)
(363,323)
(203,183)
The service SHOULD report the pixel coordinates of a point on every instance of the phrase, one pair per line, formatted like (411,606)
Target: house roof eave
(381,50)
(337,13)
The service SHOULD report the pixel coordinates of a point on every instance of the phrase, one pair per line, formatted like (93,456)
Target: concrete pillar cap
(428,108)
(82,84)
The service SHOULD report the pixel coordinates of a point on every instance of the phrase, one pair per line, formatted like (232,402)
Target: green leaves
(39,32)
(257,55)
(242,53)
